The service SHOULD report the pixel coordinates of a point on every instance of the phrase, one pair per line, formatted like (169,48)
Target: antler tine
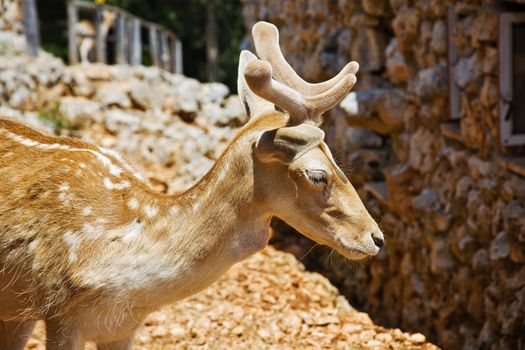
(329,99)
(258,75)
(266,39)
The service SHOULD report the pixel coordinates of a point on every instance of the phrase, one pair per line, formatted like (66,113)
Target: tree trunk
(212,48)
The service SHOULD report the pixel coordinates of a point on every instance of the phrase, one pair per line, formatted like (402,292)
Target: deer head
(295,172)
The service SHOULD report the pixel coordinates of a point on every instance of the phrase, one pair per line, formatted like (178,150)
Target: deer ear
(287,144)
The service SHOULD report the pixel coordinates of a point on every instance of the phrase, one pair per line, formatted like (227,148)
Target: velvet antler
(258,75)
(266,39)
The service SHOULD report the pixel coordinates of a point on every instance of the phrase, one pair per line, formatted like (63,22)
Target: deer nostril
(379,242)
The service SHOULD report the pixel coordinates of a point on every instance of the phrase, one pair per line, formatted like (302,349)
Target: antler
(252,103)
(266,39)
(258,76)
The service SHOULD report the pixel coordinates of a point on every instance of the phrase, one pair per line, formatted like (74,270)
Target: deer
(86,31)
(90,248)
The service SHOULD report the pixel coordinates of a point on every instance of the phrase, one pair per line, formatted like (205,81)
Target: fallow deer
(89,247)
(86,31)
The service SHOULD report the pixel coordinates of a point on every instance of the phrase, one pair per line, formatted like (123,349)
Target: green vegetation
(53,116)
(186,18)
(3,48)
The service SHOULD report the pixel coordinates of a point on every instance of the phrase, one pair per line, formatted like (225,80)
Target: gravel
(266,302)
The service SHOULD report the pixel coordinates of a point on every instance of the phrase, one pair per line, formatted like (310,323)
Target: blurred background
(189,20)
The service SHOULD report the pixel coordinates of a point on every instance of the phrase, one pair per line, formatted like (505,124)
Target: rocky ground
(173,128)
(266,302)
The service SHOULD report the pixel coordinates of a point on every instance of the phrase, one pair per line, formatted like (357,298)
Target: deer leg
(14,335)
(122,344)
(62,337)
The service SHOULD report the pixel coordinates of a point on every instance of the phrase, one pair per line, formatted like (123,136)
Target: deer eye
(318,177)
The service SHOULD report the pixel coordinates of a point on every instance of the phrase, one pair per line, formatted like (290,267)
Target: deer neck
(210,227)
(222,208)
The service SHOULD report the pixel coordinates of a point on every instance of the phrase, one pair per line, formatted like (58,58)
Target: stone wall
(449,201)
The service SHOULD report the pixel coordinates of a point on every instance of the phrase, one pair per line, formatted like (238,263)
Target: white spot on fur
(64,187)
(113,169)
(101,221)
(122,185)
(91,231)
(132,231)
(115,186)
(63,196)
(82,165)
(32,246)
(174,211)
(107,183)
(79,171)
(150,211)
(197,205)
(122,162)
(133,203)
(86,211)
(73,240)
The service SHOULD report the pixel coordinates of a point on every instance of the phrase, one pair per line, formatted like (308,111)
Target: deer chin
(353,251)
(342,246)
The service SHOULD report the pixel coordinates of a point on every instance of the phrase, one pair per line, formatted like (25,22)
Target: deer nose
(378,241)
